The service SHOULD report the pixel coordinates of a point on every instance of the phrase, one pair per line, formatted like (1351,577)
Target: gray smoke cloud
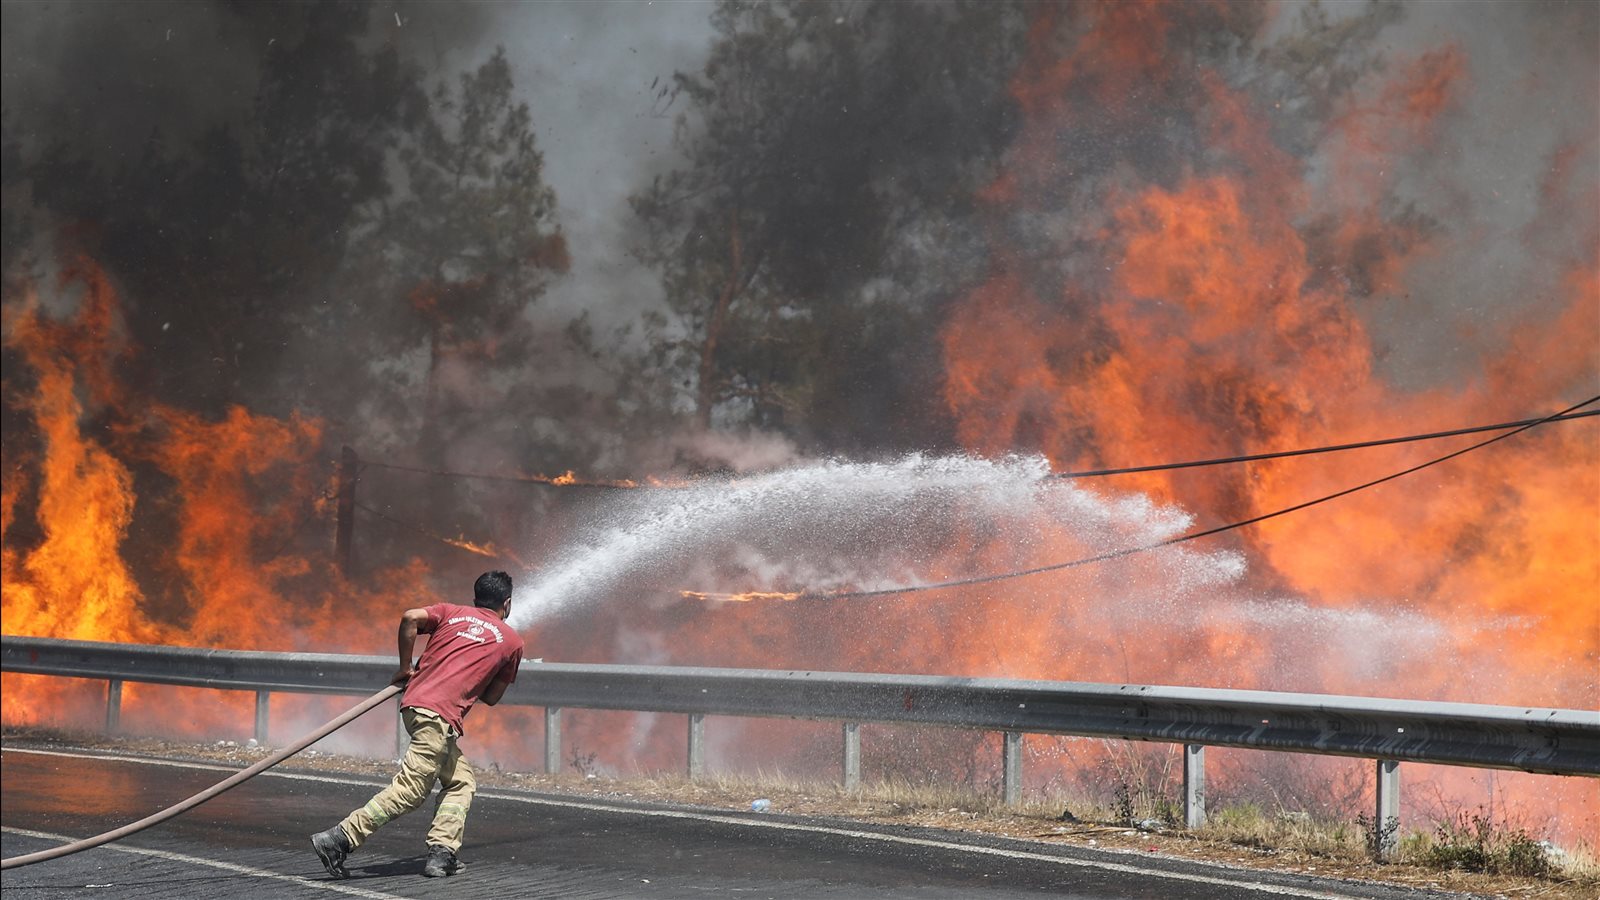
(1526,99)
(592,73)
(1498,175)
(108,76)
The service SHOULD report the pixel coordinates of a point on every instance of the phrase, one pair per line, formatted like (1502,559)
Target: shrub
(1473,842)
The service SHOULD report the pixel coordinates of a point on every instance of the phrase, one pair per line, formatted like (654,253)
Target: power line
(570,480)
(566,480)
(1129,551)
(1253,457)
(488,550)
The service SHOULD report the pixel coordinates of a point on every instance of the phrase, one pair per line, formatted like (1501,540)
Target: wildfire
(464,544)
(1200,319)
(1219,292)
(84,500)
(570,479)
(242,487)
(1224,302)
(1211,329)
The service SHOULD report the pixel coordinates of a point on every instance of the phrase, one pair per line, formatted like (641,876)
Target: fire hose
(233,781)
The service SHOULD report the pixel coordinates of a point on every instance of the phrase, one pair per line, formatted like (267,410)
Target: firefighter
(471,655)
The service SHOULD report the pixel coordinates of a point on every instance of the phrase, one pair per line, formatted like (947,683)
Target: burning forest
(857,284)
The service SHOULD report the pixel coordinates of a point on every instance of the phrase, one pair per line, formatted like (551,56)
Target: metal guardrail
(1550,741)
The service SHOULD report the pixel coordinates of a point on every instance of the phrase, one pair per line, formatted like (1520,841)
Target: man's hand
(412,622)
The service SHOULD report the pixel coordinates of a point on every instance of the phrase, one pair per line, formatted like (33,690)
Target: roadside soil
(827,801)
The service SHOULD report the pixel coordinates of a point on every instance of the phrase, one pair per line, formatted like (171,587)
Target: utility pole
(345,529)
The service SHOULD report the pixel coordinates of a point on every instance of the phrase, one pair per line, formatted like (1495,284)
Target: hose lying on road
(233,781)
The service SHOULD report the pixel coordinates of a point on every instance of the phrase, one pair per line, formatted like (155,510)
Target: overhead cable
(1196,535)
(565,480)
(570,480)
(1332,448)
(460,543)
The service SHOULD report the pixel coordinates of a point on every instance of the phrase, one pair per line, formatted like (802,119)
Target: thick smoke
(108,78)
(1515,163)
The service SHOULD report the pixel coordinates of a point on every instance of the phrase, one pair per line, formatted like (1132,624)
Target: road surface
(253,843)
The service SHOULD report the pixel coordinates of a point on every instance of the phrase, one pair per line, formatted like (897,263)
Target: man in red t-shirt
(471,655)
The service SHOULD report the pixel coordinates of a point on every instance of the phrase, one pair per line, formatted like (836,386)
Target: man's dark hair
(491,590)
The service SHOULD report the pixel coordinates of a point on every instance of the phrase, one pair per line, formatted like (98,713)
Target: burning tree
(174,318)
(829,147)
(1189,241)
(1198,230)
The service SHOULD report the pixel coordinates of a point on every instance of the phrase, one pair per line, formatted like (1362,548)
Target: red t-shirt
(468,649)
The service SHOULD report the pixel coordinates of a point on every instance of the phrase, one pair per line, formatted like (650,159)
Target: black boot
(441,862)
(332,847)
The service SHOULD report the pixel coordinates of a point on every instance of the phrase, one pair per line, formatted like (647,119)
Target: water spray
(1519,427)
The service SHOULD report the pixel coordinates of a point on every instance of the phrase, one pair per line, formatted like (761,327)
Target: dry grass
(1250,826)
(1242,834)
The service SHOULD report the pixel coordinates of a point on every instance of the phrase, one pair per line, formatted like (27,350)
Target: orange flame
(480,549)
(744,597)
(74,583)
(1201,321)
(242,487)
(1223,305)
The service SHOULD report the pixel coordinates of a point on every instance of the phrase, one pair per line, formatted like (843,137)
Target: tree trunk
(705,391)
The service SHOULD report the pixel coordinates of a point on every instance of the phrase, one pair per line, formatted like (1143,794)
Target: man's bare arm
(412,622)
(494,692)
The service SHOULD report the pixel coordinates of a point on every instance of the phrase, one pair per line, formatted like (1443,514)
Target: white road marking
(727,819)
(928,842)
(334,886)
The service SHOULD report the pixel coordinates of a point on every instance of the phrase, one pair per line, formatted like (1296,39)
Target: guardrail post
(552,740)
(1388,820)
(697,741)
(1194,785)
(852,755)
(114,705)
(1011,768)
(261,716)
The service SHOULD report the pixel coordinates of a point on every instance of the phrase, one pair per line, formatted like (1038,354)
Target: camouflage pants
(432,754)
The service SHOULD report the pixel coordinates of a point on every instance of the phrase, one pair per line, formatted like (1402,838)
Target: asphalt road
(252,843)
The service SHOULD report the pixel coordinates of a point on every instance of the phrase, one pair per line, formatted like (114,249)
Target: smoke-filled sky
(1527,90)
(591,71)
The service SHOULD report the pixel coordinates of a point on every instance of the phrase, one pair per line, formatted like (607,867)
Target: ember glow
(745,597)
